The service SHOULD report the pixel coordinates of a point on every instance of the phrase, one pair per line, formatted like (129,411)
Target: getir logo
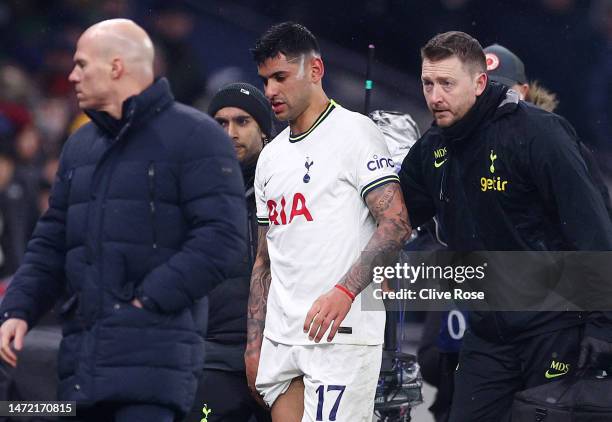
(278,215)
(493,183)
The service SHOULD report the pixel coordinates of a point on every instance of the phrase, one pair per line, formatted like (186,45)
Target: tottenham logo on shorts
(307,164)
(379,163)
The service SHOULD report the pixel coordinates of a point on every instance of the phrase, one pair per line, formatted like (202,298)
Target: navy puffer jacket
(151,206)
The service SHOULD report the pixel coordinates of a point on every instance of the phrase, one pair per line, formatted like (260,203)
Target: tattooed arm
(393,229)
(256,312)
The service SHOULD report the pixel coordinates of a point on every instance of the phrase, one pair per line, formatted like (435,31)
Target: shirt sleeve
(375,167)
(260,196)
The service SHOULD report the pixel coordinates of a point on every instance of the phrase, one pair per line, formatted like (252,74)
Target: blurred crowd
(38,108)
(566,44)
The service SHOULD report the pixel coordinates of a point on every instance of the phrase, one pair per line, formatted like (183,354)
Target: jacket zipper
(68,179)
(152,209)
(444,180)
(100,220)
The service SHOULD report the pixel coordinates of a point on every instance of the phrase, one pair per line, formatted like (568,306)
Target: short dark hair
(455,43)
(288,38)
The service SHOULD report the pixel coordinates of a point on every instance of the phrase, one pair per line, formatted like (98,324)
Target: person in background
(506,68)
(245,114)
(146,216)
(481,130)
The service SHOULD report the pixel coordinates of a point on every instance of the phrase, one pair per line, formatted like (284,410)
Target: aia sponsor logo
(279,213)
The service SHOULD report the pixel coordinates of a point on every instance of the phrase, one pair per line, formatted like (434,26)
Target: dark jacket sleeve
(212,200)
(39,281)
(596,175)
(418,201)
(562,176)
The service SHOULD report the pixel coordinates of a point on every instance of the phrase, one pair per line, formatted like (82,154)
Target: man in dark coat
(146,217)
(503,175)
(245,114)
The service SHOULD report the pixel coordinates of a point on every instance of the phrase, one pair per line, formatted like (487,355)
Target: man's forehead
(79,54)
(450,66)
(98,44)
(86,45)
(279,63)
(231,113)
(80,45)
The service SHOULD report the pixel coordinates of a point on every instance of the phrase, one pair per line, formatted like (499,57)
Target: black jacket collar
(495,101)
(136,109)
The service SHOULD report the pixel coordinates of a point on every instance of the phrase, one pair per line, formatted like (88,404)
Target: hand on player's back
(330,307)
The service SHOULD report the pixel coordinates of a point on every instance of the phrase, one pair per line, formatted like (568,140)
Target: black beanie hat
(248,98)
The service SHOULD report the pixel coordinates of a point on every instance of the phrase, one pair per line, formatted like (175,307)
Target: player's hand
(12,329)
(332,306)
(251,361)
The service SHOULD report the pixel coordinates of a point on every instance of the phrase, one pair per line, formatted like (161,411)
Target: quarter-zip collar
(495,101)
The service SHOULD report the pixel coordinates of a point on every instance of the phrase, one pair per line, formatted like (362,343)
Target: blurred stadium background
(201,45)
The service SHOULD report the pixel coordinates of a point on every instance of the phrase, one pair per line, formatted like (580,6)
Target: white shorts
(339,379)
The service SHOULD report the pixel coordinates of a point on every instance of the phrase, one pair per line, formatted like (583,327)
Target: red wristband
(346,291)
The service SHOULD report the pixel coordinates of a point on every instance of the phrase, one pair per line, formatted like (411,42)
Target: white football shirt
(310,190)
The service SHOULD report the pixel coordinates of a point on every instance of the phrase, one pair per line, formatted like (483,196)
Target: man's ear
(481,83)
(317,69)
(117,68)
(523,90)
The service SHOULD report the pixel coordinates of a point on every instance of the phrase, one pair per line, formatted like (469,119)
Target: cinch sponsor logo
(493,183)
(379,163)
(558,369)
(278,215)
(439,155)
